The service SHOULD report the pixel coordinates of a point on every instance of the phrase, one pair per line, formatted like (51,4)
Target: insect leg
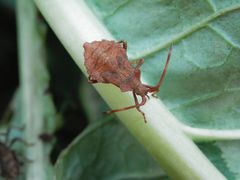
(137,107)
(136,100)
(137,72)
(144,99)
(139,63)
(124,44)
(91,80)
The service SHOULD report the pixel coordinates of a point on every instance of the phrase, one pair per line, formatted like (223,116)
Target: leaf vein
(205,97)
(183,34)
(212,5)
(223,36)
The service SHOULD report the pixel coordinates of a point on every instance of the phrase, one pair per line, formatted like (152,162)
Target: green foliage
(224,155)
(113,154)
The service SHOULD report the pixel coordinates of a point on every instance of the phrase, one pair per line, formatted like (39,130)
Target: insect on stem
(107,62)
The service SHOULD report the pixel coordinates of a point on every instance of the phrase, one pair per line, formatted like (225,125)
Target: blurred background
(68,86)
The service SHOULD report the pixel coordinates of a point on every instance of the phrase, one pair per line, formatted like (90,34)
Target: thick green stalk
(38,110)
(74,24)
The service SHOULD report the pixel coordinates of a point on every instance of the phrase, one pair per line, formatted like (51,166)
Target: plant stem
(208,135)
(74,24)
(38,110)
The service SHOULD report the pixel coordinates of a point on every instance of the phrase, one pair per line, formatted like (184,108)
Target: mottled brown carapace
(107,62)
(9,164)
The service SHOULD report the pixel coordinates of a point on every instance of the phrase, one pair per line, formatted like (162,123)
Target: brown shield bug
(107,62)
(9,163)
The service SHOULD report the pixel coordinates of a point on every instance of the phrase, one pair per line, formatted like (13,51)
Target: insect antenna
(165,69)
(156,88)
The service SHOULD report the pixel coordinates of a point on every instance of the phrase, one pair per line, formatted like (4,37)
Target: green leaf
(225,155)
(113,154)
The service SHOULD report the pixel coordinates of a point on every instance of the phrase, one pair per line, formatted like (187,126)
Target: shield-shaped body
(107,62)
